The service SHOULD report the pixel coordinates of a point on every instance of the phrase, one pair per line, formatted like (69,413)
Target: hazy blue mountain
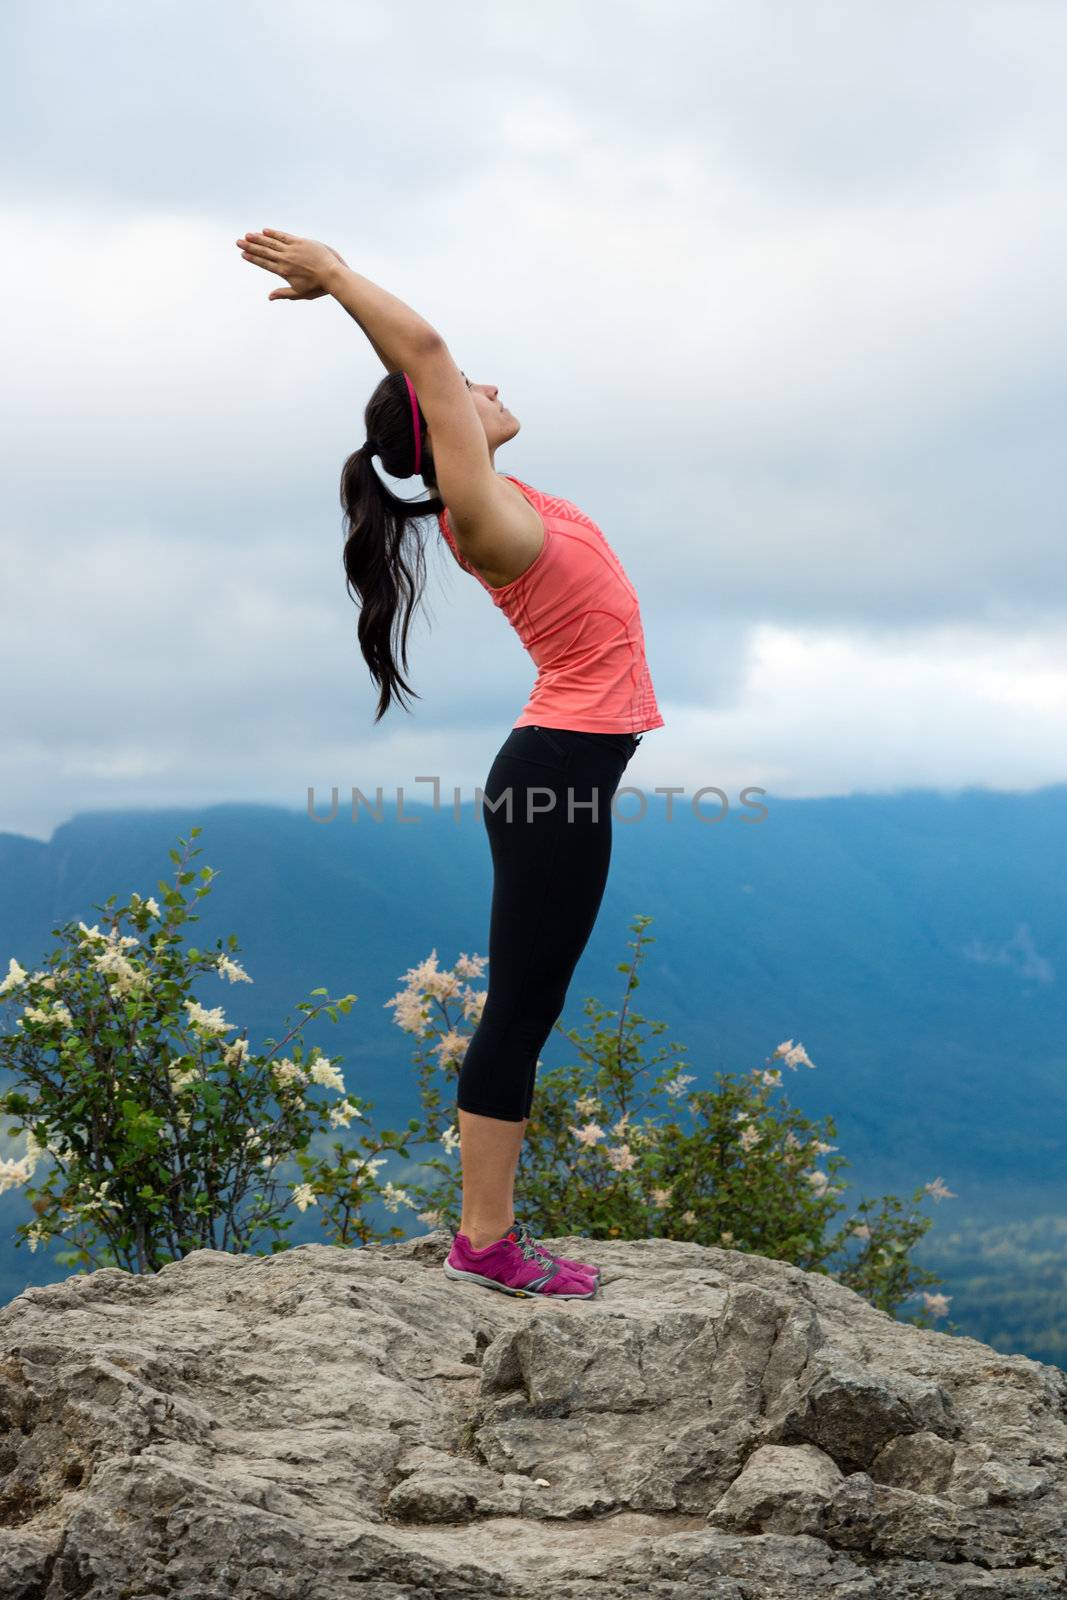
(915,943)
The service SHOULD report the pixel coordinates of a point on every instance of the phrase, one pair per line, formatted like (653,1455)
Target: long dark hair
(384,577)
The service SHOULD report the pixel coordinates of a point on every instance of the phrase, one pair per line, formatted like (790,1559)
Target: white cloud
(1019,952)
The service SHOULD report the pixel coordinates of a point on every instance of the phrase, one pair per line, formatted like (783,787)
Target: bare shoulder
(504,537)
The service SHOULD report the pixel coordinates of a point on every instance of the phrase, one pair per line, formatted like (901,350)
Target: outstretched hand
(304,263)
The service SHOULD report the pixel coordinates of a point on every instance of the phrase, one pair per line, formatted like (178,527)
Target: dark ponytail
(385,578)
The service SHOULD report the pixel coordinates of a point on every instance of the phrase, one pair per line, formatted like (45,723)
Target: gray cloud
(777,294)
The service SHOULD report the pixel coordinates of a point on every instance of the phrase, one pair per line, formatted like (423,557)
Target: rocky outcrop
(329,1422)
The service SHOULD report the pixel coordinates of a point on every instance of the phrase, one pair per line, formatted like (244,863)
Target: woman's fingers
(266,251)
(272,236)
(264,247)
(262,261)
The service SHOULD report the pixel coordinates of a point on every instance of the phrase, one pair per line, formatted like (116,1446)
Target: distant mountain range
(915,943)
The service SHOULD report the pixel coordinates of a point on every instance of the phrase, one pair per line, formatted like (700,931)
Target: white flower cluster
(114,965)
(236,1054)
(679,1083)
(182,1073)
(394,1198)
(622,1158)
(366,1165)
(13,1173)
(410,1011)
(324,1072)
(58,1013)
(212,1021)
(470,966)
(426,983)
(792,1054)
(117,940)
(232,970)
(98,1199)
(16,977)
(341,1115)
(474,1004)
(288,1072)
(452,1046)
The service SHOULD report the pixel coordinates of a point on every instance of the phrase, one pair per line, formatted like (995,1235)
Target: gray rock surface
(328,1422)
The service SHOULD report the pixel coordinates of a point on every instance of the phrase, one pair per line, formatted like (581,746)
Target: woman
(547,799)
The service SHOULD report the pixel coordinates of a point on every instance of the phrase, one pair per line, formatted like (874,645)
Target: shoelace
(529,1246)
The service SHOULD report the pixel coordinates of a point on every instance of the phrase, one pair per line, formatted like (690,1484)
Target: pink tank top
(577,614)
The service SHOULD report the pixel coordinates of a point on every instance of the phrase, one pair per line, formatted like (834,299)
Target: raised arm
(494,524)
(496,528)
(400,337)
(375,346)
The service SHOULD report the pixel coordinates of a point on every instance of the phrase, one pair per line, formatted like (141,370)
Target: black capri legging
(551,850)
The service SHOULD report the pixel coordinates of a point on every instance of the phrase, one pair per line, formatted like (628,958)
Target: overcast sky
(777,291)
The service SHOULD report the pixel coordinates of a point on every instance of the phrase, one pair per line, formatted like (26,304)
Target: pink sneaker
(564,1261)
(516,1265)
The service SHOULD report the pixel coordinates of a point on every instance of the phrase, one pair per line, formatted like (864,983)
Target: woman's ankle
(481,1237)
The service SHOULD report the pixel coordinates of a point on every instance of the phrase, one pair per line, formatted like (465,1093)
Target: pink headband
(415,421)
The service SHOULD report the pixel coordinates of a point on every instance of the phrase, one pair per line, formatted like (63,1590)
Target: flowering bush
(160,1129)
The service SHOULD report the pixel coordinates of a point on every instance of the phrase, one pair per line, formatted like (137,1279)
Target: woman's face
(499,423)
